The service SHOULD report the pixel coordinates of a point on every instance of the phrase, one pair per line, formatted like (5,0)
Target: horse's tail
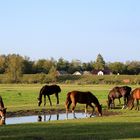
(1,102)
(68,100)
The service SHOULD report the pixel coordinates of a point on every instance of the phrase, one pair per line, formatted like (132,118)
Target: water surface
(42,118)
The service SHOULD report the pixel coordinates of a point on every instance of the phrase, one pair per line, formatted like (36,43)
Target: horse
(118,92)
(87,98)
(135,95)
(48,90)
(2,121)
(2,109)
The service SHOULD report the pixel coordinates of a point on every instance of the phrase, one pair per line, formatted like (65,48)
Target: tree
(87,66)
(117,67)
(27,66)
(99,63)
(62,65)
(2,64)
(44,65)
(53,74)
(75,65)
(133,67)
(14,67)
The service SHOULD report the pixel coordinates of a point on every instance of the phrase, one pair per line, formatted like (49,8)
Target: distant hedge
(76,79)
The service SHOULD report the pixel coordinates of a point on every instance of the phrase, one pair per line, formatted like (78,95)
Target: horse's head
(39,101)
(3,113)
(58,88)
(99,109)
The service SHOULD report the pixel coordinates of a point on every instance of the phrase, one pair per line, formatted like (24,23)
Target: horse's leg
(132,105)
(93,109)
(124,99)
(109,102)
(67,105)
(86,109)
(44,100)
(119,101)
(112,103)
(73,107)
(57,97)
(49,100)
(137,105)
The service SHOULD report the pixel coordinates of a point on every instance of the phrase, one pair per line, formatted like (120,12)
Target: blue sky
(72,29)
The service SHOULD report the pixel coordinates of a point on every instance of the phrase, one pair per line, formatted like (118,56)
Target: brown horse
(2,109)
(48,90)
(87,98)
(135,95)
(117,93)
(2,121)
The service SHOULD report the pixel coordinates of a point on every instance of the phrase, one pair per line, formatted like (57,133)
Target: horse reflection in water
(40,118)
(87,98)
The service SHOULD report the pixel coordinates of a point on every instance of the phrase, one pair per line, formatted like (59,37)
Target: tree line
(14,65)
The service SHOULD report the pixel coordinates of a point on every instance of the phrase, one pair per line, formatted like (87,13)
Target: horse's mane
(41,91)
(95,99)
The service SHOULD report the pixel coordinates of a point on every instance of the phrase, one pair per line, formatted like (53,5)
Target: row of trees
(15,65)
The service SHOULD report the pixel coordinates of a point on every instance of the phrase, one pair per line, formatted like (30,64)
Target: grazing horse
(2,109)
(135,95)
(2,121)
(48,90)
(118,92)
(87,98)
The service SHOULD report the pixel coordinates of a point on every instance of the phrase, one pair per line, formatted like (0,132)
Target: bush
(76,79)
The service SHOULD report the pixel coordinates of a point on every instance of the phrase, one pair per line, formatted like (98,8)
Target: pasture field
(125,125)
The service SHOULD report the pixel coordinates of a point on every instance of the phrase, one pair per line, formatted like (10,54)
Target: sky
(71,29)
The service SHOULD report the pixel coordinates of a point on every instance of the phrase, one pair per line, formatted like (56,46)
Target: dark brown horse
(117,93)
(48,90)
(87,98)
(2,109)
(135,95)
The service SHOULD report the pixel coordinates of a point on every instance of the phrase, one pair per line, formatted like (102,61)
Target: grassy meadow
(17,97)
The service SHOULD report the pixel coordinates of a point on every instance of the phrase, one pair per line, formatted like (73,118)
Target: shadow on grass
(71,131)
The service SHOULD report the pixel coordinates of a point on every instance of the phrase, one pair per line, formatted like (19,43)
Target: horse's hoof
(123,107)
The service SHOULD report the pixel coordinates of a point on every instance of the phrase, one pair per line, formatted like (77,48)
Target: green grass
(23,97)
(126,126)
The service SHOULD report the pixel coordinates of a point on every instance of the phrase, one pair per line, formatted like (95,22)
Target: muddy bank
(52,111)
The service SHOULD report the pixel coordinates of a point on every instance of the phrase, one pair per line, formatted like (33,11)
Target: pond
(42,118)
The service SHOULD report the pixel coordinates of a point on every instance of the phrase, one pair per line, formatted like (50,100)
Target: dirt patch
(52,111)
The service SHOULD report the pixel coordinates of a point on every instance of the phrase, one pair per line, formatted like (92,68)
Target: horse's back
(113,93)
(50,89)
(81,97)
(118,92)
